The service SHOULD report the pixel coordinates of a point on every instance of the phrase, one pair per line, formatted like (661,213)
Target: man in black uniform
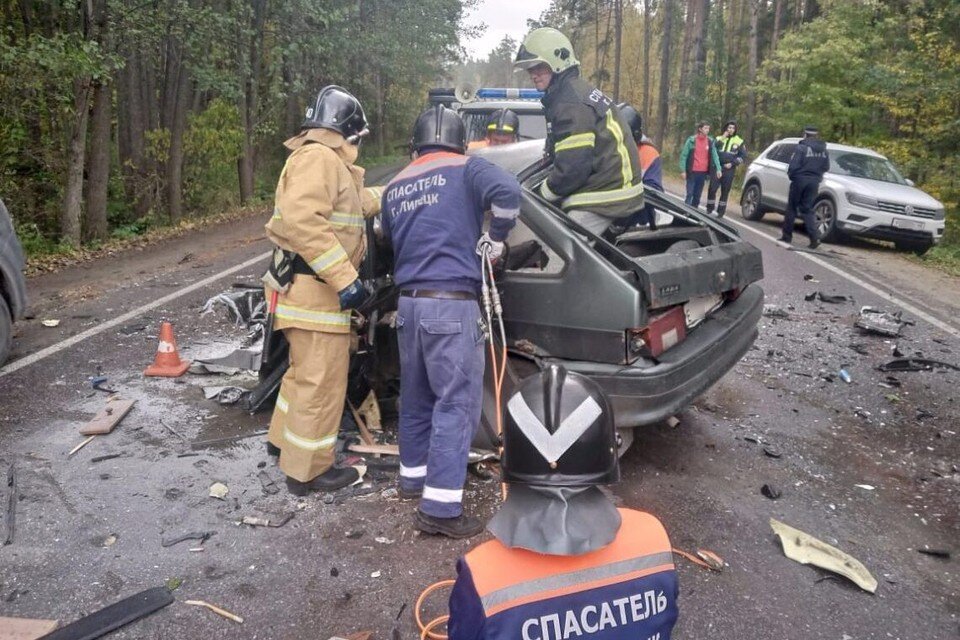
(807,166)
(596,174)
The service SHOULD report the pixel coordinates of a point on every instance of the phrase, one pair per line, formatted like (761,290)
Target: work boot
(272,449)
(463,526)
(332,479)
(814,244)
(409,494)
(785,239)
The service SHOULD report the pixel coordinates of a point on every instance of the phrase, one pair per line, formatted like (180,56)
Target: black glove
(353,296)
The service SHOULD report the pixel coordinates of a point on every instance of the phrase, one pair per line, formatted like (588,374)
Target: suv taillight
(662,332)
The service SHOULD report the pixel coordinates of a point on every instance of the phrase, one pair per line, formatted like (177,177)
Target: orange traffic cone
(167,364)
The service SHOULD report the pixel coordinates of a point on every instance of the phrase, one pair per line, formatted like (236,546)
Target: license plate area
(913,225)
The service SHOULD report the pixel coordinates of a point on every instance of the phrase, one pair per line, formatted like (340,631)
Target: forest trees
(115,114)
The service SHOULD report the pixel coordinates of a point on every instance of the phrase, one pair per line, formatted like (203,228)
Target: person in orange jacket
(565,562)
(503,127)
(318,225)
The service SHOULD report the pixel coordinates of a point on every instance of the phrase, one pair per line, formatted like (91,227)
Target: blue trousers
(441,387)
(695,181)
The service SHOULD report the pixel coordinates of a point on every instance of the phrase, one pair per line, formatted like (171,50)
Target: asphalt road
(347,563)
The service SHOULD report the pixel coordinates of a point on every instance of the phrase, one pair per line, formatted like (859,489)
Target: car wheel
(919,248)
(825,213)
(6,330)
(750,206)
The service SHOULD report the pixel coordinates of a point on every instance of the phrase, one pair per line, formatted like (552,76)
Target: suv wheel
(6,330)
(825,213)
(919,248)
(750,205)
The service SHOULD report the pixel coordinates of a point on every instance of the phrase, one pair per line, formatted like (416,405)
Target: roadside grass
(44,256)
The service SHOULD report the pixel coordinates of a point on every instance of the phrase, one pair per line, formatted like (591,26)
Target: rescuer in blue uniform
(566,563)
(433,214)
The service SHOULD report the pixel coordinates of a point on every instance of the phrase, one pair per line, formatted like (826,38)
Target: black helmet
(558,432)
(504,121)
(441,127)
(336,109)
(634,121)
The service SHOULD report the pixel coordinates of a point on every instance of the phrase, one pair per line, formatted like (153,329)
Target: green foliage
(212,145)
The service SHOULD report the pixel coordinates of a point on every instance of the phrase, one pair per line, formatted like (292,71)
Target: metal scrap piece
(875,321)
(805,549)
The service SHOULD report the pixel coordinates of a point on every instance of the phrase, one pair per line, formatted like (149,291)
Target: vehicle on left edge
(13,286)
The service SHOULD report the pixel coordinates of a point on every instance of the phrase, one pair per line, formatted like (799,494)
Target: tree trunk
(618,40)
(646,58)
(664,106)
(250,102)
(98,160)
(734,34)
(174,172)
(754,8)
(72,211)
(98,174)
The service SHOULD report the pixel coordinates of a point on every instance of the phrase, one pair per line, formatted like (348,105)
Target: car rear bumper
(643,395)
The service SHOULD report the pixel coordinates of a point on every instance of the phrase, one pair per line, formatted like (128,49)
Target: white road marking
(130,315)
(906,306)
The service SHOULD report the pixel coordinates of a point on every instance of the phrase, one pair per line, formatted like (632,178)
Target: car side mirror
(911,182)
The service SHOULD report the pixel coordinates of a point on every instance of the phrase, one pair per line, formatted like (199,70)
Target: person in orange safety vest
(503,127)
(566,562)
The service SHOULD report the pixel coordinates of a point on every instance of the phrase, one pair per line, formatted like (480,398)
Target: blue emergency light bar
(509,94)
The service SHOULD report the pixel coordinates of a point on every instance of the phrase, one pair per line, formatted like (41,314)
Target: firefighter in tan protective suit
(318,227)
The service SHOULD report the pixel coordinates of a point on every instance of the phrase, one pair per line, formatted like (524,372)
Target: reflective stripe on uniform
(494,127)
(346,219)
(308,443)
(283,406)
(328,258)
(413,472)
(500,212)
(375,192)
(575,142)
(603,197)
(607,574)
(276,214)
(625,167)
(329,318)
(442,495)
(547,193)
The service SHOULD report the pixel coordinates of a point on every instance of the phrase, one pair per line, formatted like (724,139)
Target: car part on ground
(13,286)
(862,195)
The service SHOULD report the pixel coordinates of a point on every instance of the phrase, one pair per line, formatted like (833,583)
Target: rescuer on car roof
(433,214)
(318,227)
(503,127)
(596,173)
(566,562)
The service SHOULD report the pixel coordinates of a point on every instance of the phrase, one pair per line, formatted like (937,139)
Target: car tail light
(663,332)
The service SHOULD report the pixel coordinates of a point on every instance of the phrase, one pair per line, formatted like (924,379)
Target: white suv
(863,194)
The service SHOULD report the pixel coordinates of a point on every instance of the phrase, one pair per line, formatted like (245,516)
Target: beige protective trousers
(306,419)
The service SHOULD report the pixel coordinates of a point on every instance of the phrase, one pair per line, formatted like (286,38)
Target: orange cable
(426,630)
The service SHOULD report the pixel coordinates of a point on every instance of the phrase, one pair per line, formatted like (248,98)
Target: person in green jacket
(698,157)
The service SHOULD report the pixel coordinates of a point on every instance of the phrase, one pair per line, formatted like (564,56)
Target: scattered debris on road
(115,616)
(230,364)
(865,487)
(97,383)
(770,491)
(50,323)
(269,486)
(109,456)
(845,376)
(202,536)
(81,445)
(770,452)
(916,364)
(880,322)
(245,305)
(219,490)
(109,417)
(826,297)
(254,521)
(225,395)
(805,549)
(25,628)
(936,553)
(704,558)
(12,499)
(773,311)
(217,610)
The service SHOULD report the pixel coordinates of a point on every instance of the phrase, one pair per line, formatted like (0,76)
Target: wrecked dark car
(655,317)
(13,294)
